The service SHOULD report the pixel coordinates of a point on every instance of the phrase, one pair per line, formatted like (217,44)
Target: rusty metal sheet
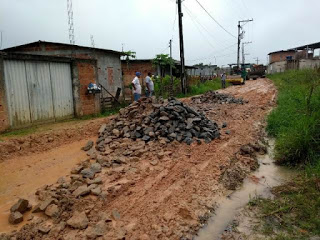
(62,90)
(17,93)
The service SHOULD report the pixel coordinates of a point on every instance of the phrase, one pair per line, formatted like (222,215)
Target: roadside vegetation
(294,213)
(196,87)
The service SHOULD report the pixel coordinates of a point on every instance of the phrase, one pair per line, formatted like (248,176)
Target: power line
(175,18)
(215,19)
(209,33)
(199,30)
(214,53)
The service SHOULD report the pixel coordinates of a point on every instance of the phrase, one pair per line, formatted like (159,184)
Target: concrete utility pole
(171,80)
(182,69)
(240,36)
(257,59)
(0,40)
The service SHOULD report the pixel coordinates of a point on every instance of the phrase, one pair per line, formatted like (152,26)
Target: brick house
(108,61)
(294,58)
(45,82)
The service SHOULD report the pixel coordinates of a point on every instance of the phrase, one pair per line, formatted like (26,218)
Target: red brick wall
(4,123)
(129,72)
(87,75)
(280,56)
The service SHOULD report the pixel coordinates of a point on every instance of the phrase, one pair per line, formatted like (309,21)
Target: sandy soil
(171,199)
(49,136)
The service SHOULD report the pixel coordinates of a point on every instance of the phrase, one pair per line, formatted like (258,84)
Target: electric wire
(214,53)
(209,33)
(215,19)
(200,30)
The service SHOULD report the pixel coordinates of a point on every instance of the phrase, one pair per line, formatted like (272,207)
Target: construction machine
(257,71)
(235,77)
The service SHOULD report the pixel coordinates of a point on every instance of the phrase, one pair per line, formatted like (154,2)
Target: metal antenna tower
(70,22)
(92,42)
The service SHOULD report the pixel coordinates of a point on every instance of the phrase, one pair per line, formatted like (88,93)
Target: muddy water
(22,176)
(259,183)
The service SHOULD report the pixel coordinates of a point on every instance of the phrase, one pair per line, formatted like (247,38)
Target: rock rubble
(172,121)
(216,97)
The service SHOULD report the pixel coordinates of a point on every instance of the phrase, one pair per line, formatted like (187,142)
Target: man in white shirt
(149,85)
(136,87)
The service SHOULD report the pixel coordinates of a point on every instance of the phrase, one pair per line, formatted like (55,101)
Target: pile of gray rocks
(215,97)
(172,121)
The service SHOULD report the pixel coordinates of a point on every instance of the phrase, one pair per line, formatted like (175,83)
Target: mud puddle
(259,183)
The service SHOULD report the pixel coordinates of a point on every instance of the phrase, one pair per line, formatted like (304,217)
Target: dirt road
(166,197)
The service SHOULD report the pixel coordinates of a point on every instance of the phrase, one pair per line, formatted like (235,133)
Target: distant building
(294,58)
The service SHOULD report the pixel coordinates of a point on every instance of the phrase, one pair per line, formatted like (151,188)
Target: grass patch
(105,113)
(294,212)
(295,123)
(202,88)
(19,132)
(196,88)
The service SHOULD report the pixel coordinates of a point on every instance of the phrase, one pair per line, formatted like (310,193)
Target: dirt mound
(44,141)
(215,97)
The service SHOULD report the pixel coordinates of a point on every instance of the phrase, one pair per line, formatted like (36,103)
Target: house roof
(289,50)
(150,60)
(311,46)
(60,44)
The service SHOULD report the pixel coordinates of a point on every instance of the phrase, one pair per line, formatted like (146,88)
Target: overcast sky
(146,26)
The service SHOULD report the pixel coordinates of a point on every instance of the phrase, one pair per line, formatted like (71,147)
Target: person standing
(149,85)
(244,74)
(136,87)
(223,80)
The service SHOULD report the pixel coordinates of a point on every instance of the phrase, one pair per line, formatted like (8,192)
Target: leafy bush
(295,123)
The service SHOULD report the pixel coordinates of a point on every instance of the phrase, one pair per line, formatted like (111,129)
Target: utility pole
(240,36)
(182,69)
(171,80)
(257,59)
(0,40)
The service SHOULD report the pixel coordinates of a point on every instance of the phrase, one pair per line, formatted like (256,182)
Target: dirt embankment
(162,190)
(44,140)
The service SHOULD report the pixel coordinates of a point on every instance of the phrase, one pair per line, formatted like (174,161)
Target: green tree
(128,55)
(163,60)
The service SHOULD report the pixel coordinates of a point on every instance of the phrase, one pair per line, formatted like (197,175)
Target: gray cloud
(146,26)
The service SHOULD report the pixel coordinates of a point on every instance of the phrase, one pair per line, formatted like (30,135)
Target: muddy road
(167,192)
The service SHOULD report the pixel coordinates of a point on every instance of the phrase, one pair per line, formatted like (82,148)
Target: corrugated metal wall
(17,94)
(61,89)
(37,91)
